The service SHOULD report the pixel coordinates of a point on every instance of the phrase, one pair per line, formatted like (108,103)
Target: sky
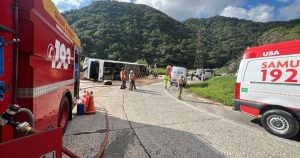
(255,10)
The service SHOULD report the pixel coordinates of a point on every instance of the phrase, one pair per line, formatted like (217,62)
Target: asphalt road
(151,122)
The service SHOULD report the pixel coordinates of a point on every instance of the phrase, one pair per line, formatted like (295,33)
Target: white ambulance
(268,85)
(177,72)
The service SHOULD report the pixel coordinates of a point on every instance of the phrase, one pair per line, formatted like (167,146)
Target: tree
(141,61)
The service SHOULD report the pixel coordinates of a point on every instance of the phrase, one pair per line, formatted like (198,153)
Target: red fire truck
(39,56)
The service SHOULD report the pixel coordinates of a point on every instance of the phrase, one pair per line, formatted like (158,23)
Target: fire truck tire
(63,113)
(280,123)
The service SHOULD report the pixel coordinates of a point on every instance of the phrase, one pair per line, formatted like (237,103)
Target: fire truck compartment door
(44,144)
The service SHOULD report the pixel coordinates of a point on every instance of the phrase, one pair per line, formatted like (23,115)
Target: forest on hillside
(135,32)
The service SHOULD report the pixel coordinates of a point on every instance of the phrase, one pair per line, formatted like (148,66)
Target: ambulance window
(252,71)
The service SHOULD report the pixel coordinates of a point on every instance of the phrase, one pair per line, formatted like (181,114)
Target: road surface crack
(142,145)
(88,132)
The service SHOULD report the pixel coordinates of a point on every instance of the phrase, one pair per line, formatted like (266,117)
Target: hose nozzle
(24,128)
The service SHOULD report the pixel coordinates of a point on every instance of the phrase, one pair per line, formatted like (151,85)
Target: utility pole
(199,56)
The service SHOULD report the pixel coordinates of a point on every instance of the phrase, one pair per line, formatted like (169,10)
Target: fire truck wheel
(280,123)
(63,113)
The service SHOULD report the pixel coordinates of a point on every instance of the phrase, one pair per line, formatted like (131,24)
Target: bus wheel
(63,113)
(280,123)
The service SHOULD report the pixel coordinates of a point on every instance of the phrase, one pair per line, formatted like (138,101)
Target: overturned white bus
(101,70)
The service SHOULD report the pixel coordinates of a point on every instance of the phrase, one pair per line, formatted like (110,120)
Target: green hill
(226,38)
(129,32)
(279,34)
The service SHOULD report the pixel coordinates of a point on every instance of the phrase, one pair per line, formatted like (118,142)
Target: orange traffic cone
(85,99)
(84,95)
(91,107)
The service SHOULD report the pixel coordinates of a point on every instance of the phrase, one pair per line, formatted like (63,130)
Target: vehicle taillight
(237,90)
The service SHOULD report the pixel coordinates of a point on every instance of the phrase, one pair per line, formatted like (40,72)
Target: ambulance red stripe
(279,49)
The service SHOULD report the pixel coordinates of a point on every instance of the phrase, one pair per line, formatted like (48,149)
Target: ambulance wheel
(63,113)
(280,123)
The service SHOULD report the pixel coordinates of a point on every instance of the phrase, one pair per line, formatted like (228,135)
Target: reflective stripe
(38,91)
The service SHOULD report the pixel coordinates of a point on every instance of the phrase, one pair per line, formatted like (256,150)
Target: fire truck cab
(268,85)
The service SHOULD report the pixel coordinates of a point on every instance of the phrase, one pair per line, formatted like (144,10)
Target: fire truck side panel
(7,65)
(46,39)
(270,80)
(7,55)
(46,63)
(46,115)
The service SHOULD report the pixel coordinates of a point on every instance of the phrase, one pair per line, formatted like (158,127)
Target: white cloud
(127,1)
(181,10)
(64,5)
(75,3)
(291,12)
(261,13)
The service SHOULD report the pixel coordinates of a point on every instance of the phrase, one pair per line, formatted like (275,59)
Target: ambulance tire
(280,123)
(63,115)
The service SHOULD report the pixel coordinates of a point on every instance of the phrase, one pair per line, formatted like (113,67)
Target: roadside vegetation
(161,71)
(220,89)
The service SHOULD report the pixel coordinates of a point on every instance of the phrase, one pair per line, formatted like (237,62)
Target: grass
(161,71)
(220,89)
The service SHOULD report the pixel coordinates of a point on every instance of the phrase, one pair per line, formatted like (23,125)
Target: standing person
(181,81)
(132,80)
(169,70)
(192,75)
(155,74)
(166,80)
(123,78)
(202,75)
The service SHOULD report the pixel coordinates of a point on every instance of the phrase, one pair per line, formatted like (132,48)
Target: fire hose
(106,137)
(25,127)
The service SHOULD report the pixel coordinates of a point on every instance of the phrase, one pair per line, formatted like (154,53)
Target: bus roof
(114,61)
(178,67)
(276,49)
